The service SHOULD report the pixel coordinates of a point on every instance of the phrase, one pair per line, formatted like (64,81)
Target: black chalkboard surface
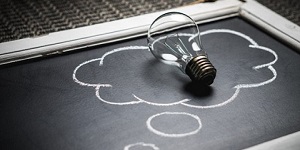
(119,96)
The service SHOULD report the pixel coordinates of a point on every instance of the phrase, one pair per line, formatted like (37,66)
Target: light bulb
(174,38)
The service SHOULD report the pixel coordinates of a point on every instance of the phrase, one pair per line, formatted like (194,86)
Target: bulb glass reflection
(174,38)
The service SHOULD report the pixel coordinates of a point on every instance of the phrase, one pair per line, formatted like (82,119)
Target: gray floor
(28,18)
(289,9)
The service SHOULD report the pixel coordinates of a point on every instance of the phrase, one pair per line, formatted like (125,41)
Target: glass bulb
(174,39)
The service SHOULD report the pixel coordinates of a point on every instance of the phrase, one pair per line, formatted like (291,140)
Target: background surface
(29,18)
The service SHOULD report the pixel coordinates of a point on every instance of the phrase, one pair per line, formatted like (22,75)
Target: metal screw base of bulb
(200,70)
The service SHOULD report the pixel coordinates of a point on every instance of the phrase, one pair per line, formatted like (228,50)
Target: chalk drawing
(184,102)
(99,85)
(173,135)
(161,104)
(127,147)
(238,87)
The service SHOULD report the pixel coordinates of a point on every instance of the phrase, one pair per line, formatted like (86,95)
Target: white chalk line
(161,104)
(172,135)
(268,50)
(237,87)
(240,86)
(232,98)
(114,103)
(101,63)
(262,83)
(99,85)
(183,102)
(83,83)
(122,49)
(228,31)
(127,147)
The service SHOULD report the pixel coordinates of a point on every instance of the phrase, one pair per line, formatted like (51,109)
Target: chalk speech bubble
(183,102)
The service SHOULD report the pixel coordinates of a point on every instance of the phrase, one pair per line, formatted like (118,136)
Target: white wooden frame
(78,38)
(59,42)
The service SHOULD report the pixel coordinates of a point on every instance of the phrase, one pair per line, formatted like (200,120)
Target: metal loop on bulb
(200,70)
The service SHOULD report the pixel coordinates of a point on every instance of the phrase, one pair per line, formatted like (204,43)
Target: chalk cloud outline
(127,147)
(183,102)
(174,135)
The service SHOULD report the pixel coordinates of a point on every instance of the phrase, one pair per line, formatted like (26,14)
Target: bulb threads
(201,70)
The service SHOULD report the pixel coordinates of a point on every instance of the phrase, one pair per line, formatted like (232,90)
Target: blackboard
(117,96)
